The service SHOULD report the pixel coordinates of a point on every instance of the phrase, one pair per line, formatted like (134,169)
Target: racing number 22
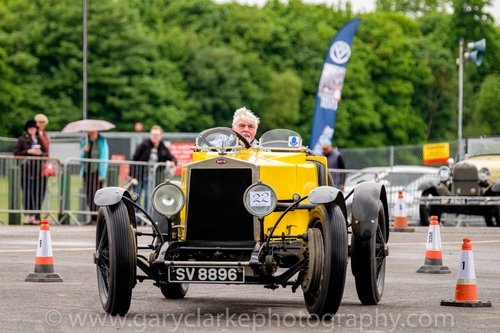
(260,198)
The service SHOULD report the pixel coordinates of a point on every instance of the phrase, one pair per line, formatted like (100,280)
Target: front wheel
(115,258)
(427,211)
(368,263)
(325,279)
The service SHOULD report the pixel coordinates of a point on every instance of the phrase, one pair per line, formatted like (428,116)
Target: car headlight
(484,174)
(444,173)
(260,199)
(168,199)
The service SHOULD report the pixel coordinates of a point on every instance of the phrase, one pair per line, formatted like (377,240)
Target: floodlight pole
(460,62)
(84,60)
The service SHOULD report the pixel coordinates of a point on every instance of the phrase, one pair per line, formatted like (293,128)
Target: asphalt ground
(411,301)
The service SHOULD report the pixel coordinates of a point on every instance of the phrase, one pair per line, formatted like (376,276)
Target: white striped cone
(44,262)
(433,253)
(466,288)
(400,212)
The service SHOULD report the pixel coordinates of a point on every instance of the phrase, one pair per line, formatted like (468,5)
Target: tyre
(427,211)
(493,219)
(174,290)
(368,263)
(115,258)
(323,297)
(488,218)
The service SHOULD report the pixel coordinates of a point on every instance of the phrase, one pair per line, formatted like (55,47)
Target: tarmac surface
(411,301)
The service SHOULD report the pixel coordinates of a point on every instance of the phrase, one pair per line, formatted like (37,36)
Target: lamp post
(460,61)
(475,52)
(84,60)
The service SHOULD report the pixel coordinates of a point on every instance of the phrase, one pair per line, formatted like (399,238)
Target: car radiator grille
(215,210)
(465,180)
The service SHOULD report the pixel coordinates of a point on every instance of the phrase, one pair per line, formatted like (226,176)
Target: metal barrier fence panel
(395,181)
(125,143)
(31,186)
(71,202)
(81,180)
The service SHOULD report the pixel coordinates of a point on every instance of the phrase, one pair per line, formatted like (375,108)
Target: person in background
(94,146)
(151,150)
(246,123)
(335,161)
(138,127)
(41,122)
(30,144)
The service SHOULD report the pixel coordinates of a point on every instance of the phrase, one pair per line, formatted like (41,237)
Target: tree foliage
(187,65)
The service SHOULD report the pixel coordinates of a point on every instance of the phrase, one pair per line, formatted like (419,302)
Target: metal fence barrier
(394,182)
(32,186)
(81,180)
(66,195)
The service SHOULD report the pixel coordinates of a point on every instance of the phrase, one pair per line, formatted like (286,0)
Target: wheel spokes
(103,261)
(379,249)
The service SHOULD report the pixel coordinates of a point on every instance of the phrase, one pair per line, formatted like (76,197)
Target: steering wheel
(240,137)
(243,140)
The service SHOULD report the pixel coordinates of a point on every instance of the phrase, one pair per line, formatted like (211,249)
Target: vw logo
(340,52)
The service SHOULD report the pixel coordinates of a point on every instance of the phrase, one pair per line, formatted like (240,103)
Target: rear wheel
(115,258)
(368,263)
(174,290)
(324,286)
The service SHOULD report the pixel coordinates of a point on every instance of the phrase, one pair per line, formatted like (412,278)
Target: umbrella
(88,125)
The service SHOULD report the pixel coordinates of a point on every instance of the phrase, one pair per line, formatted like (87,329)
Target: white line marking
(76,249)
(472,242)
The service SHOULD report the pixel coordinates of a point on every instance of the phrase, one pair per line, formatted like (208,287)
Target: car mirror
(323,194)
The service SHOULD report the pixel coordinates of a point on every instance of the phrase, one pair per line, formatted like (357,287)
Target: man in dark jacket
(335,162)
(151,150)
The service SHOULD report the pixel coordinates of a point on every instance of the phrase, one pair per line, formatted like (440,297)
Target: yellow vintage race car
(263,215)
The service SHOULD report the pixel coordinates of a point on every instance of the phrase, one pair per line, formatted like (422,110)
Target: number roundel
(260,199)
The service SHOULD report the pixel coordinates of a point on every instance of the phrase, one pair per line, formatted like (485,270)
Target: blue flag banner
(330,86)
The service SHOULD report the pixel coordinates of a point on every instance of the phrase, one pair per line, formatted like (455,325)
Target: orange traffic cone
(401,215)
(466,289)
(44,264)
(433,254)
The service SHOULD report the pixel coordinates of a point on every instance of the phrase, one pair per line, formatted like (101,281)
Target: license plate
(453,201)
(206,274)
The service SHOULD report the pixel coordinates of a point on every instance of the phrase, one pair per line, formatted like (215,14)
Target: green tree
(437,100)
(9,95)
(486,116)
(281,105)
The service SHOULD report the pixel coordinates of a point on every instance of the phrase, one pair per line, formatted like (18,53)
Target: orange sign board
(436,153)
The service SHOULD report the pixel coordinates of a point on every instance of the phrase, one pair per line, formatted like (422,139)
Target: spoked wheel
(323,284)
(115,258)
(368,263)
(174,290)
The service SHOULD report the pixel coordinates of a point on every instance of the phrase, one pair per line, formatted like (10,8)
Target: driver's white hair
(246,115)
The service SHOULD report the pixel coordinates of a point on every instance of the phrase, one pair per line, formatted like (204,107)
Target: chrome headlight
(168,199)
(484,174)
(444,173)
(260,199)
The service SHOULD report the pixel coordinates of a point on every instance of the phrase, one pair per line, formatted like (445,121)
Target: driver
(246,123)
